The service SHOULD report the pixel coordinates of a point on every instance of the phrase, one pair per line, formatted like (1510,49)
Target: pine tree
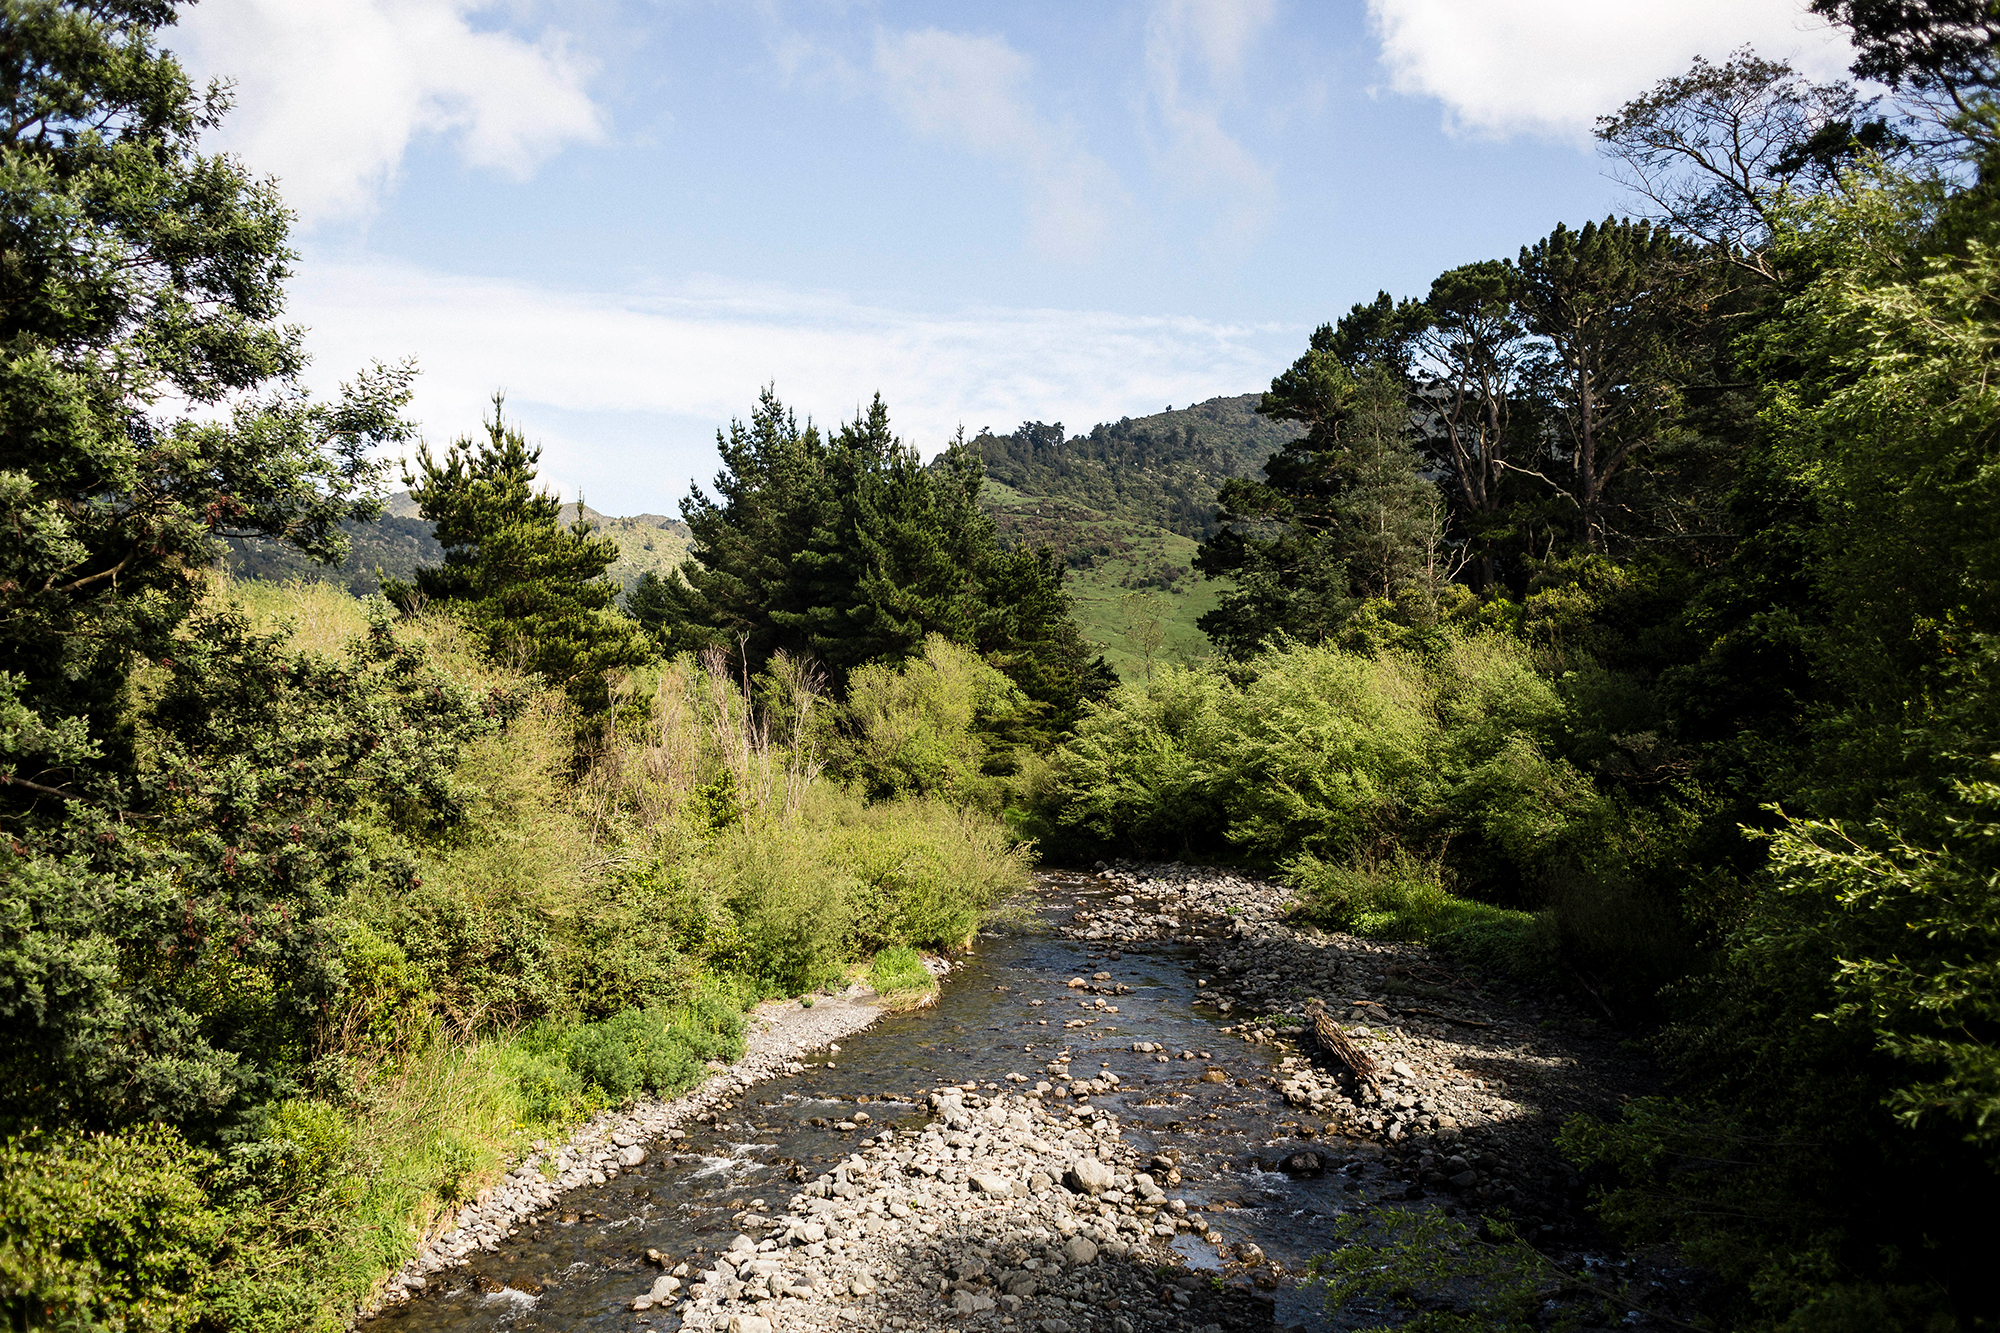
(651,604)
(532,589)
(848,549)
(1347,513)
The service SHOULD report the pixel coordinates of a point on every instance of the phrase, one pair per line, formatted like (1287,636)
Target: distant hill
(402,539)
(393,544)
(1126,505)
(1162,470)
(645,541)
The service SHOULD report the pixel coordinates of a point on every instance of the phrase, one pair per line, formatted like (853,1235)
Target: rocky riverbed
(1112,1120)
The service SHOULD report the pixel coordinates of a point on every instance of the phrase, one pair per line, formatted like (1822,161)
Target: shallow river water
(1006,1009)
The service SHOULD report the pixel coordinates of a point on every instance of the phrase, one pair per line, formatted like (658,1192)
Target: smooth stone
(1087,1175)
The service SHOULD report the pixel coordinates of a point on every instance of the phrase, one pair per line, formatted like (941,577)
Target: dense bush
(657,1050)
(845,878)
(106,1229)
(1343,756)
(928,726)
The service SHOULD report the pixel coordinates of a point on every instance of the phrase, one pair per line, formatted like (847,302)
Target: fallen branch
(1335,1043)
(1589,990)
(9,780)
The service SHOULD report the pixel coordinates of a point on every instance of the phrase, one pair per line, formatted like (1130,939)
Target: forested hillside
(1162,470)
(1124,506)
(395,544)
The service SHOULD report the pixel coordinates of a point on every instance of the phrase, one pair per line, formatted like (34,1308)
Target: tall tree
(532,589)
(1716,148)
(771,494)
(165,948)
(1609,300)
(1341,515)
(138,272)
(848,549)
(1949,49)
(1472,357)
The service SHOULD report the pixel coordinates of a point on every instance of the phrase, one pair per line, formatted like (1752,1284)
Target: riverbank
(778,1033)
(1474,1072)
(1109,1122)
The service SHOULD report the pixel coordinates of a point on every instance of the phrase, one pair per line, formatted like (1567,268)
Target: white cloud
(331,93)
(661,371)
(1193,42)
(973,91)
(1551,67)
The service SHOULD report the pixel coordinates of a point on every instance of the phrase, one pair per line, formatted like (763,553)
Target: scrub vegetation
(1621,613)
(1624,614)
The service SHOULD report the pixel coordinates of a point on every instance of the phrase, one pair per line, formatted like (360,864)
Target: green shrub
(1396,895)
(1339,755)
(109,1231)
(1401,897)
(1323,752)
(1139,773)
(659,1050)
(928,870)
(793,908)
(922,728)
(842,878)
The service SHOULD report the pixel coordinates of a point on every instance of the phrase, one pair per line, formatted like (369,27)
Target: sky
(630,215)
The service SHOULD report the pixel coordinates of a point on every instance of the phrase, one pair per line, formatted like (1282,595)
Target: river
(1008,1009)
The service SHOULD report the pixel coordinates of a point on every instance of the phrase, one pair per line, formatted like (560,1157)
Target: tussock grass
(899,976)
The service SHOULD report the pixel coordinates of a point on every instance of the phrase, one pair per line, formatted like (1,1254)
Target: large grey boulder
(1087,1175)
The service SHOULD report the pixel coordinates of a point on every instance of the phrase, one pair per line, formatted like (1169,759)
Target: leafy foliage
(1330,753)
(141,269)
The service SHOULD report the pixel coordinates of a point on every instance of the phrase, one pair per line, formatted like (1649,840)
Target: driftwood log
(1335,1043)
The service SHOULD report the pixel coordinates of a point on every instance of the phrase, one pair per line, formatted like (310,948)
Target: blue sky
(629,214)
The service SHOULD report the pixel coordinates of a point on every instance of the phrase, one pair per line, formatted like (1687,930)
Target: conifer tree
(651,604)
(1341,515)
(848,549)
(533,589)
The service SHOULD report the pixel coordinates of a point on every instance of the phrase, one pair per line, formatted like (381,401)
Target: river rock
(998,1186)
(1087,1175)
(1078,1250)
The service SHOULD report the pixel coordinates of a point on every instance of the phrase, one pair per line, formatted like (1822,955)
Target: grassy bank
(1404,898)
